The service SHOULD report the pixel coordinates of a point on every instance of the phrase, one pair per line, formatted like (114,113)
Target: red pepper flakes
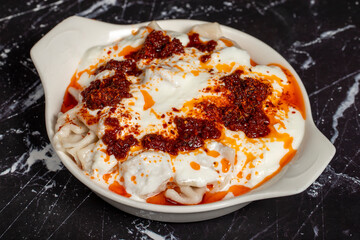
(157,45)
(118,147)
(201,46)
(158,142)
(110,91)
(106,92)
(89,119)
(205,58)
(244,109)
(126,67)
(191,135)
(112,122)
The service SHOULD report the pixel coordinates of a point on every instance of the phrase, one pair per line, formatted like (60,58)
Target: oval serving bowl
(56,57)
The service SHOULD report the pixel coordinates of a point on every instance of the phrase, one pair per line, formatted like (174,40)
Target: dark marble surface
(41,200)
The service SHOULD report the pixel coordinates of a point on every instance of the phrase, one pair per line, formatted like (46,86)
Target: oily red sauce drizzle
(244,109)
(191,135)
(157,45)
(69,102)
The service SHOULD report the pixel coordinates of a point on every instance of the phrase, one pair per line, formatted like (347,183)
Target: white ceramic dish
(56,57)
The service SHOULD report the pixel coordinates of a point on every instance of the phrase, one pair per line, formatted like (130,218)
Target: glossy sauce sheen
(240,108)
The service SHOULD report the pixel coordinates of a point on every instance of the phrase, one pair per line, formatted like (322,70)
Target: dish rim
(256,194)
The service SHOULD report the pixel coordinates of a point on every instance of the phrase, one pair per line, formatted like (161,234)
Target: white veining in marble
(348,102)
(144,232)
(72,212)
(297,47)
(263,9)
(97,8)
(20,101)
(37,8)
(23,163)
(323,36)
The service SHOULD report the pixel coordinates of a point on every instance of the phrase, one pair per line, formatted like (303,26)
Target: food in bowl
(179,118)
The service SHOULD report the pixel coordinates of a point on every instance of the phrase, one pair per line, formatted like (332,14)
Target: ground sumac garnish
(191,135)
(201,46)
(157,45)
(106,92)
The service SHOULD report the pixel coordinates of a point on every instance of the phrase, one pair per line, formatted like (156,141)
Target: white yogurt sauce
(172,82)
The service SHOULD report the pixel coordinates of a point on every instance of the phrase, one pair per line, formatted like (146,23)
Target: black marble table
(40,199)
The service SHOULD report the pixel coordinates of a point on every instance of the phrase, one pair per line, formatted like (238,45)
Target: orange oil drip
(225,165)
(285,160)
(116,187)
(195,72)
(160,199)
(227,42)
(249,158)
(195,166)
(294,96)
(133,179)
(213,153)
(69,101)
(205,66)
(253,63)
(225,67)
(149,102)
(236,190)
(106,177)
(127,50)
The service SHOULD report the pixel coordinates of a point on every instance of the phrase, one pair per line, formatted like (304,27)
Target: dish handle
(315,153)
